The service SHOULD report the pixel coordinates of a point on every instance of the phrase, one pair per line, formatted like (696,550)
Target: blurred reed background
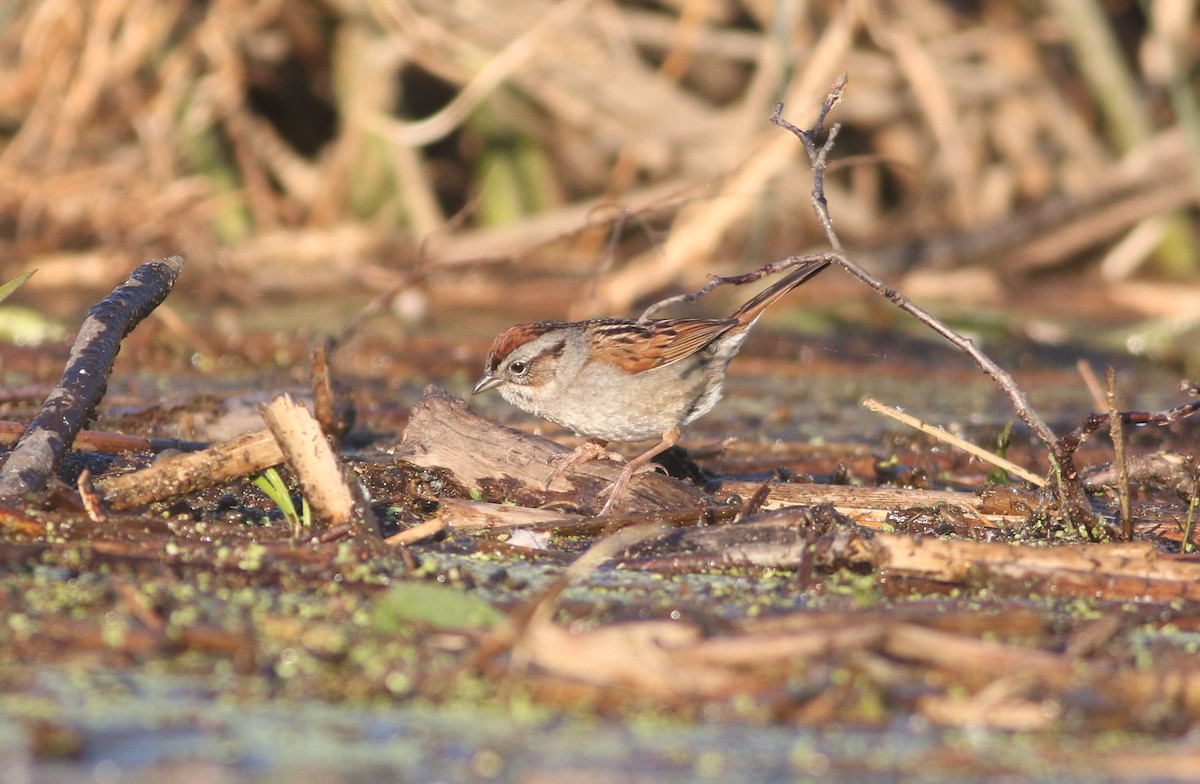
(622,149)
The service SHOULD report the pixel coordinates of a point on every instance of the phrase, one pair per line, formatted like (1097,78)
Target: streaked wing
(636,347)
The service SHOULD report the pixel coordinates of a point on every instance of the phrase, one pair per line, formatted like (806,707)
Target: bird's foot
(638,465)
(592,449)
(618,487)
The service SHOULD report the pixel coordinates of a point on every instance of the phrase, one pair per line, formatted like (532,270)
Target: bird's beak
(487,382)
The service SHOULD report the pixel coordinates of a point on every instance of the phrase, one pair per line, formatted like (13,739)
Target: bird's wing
(638,347)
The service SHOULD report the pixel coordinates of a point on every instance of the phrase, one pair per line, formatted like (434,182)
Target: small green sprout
(999,475)
(271,483)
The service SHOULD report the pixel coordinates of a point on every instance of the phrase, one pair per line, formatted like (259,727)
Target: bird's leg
(639,464)
(592,449)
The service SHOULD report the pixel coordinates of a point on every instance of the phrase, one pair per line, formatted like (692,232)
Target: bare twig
(1186,546)
(949,438)
(1094,422)
(417,533)
(1093,384)
(333,412)
(89,496)
(1118,439)
(1071,494)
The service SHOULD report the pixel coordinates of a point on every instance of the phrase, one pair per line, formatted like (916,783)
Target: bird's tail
(747,313)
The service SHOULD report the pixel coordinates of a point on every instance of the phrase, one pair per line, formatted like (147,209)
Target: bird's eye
(518,368)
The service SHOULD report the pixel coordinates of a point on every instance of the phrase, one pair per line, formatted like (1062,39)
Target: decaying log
(504,463)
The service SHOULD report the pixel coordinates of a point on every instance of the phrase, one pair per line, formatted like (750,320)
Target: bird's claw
(589,450)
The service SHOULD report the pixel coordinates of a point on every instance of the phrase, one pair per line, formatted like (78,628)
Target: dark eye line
(521,367)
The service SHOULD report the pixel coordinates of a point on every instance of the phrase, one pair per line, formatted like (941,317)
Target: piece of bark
(506,464)
(463,515)
(332,490)
(85,378)
(466,515)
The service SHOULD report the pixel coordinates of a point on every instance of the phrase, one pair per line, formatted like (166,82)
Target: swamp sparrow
(616,379)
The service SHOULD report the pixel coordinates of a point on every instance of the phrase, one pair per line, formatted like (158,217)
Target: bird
(625,380)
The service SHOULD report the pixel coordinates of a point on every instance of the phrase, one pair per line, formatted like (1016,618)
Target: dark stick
(1119,463)
(1160,468)
(1070,490)
(85,378)
(1094,422)
(103,441)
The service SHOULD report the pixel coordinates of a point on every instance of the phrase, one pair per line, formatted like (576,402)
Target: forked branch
(1070,489)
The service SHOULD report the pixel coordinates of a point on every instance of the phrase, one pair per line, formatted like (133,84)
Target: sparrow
(614,379)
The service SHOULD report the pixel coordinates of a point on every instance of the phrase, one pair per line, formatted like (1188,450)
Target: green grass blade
(14,284)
